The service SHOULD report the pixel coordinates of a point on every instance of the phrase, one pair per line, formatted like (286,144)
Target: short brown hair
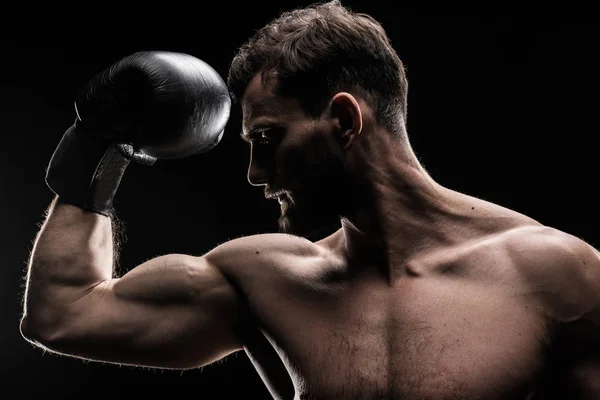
(320,50)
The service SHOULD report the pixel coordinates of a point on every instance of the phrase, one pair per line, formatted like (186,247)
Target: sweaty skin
(447,297)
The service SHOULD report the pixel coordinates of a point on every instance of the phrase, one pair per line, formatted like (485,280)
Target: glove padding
(148,105)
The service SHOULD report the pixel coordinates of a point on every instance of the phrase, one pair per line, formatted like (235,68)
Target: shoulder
(548,249)
(241,254)
(561,269)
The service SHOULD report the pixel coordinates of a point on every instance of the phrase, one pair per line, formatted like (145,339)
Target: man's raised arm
(174,311)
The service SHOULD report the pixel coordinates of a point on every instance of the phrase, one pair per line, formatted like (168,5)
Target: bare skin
(423,293)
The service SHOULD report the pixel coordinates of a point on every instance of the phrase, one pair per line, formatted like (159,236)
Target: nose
(257,174)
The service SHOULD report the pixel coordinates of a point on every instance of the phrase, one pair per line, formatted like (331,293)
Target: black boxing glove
(147,106)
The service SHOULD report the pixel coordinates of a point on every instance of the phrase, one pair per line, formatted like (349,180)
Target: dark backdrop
(501,106)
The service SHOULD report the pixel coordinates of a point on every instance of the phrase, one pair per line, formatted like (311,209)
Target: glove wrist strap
(86,172)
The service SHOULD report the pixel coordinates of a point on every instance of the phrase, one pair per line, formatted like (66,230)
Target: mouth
(273,194)
(281,196)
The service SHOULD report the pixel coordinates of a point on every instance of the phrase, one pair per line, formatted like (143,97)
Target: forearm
(72,252)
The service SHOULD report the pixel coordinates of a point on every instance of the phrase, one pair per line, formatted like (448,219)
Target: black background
(502,106)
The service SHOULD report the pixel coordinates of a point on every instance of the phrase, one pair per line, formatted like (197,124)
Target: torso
(460,323)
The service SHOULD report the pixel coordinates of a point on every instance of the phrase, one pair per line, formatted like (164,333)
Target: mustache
(271,192)
(284,195)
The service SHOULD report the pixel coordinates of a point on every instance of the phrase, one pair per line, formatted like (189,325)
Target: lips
(273,194)
(281,196)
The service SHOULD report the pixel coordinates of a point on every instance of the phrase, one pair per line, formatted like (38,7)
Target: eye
(263,139)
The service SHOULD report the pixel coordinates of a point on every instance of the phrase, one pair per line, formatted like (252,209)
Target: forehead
(260,103)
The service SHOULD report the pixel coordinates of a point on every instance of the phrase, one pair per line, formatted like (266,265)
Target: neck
(399,210)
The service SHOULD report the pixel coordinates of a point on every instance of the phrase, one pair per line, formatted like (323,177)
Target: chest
(423,338)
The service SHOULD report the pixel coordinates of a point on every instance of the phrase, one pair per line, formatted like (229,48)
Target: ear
(346,110)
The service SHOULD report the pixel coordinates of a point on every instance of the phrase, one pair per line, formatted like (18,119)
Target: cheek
(293,161)
(313,161)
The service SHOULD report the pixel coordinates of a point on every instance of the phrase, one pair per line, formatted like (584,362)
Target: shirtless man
(423,292)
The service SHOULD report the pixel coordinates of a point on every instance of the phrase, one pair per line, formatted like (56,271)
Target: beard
(320,193)
(307,218)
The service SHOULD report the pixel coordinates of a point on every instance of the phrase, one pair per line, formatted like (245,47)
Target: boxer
(422,292)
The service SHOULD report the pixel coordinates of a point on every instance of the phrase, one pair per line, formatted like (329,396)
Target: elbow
(28,330)
(38,332)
